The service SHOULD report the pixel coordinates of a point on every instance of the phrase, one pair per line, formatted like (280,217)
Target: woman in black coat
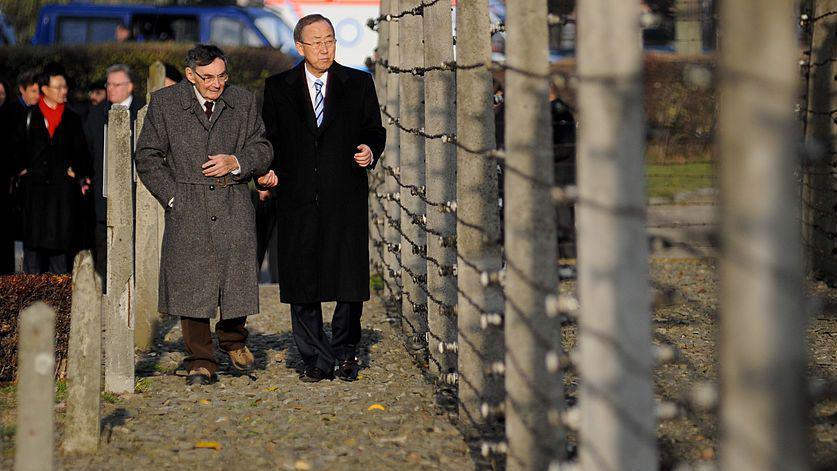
(54,162)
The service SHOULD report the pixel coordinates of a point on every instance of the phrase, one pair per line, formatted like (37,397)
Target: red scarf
(52,116)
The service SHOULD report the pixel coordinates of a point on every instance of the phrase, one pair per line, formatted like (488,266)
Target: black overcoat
(51,198)
(94,130)
(323,193)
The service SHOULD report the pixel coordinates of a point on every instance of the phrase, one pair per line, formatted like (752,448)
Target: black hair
(172,73)
(203,54)
(27,78)
(53,69)
(308,20)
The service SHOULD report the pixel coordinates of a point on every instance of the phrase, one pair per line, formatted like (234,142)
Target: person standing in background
(53,161)
(120,87)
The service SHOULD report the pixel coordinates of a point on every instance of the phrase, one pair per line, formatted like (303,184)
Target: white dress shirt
(203,101)
(312,91)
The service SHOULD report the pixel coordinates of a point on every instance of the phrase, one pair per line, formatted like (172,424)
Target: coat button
(211,187)
(213,218)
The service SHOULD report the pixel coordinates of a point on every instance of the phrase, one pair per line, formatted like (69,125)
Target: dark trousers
(100,255)
(44,261)
(7,255)
(198,339)
(311,341)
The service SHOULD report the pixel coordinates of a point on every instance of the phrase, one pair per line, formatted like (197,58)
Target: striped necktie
(318,100)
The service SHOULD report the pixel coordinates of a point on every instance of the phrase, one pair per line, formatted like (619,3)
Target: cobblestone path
(270,420)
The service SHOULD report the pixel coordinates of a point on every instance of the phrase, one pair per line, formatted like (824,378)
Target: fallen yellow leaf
(359,376)
(209,445)
(376,407)
(302,466)
(272,388)
(204,402)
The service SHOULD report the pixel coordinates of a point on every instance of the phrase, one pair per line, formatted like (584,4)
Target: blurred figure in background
(53,163)
(119,86)
(173,75)
(96,93)
(7,235)
(563,144)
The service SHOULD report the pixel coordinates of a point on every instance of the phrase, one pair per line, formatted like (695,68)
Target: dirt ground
(269,420)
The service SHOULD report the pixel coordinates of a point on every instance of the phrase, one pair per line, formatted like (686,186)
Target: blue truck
(86,23)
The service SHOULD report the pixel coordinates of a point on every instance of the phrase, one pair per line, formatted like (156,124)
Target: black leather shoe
(200,376)
(347,369)
(314,375)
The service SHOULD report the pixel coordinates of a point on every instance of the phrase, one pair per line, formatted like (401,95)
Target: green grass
(666,181)
(60,391)
(7,431)
(142,385)
(110,397)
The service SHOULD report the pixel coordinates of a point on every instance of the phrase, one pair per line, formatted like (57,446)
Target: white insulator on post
(490,448)
(553,361)
(451,378)
(667,410)
(497,368)
(491,320)
(492,410)
(705,396)
(665,353)
(571,417)
(448,347)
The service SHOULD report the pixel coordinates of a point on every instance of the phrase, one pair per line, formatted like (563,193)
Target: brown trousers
(198,339)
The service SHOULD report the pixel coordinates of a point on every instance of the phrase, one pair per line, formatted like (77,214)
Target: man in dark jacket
(325,126)
(53,161)
(120,87)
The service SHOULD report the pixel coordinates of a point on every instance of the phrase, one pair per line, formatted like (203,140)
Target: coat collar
(186,91)
(189,101)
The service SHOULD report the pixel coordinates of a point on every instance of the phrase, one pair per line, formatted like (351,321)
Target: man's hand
(268,180)
(219,165)
(264,195)
(364,157)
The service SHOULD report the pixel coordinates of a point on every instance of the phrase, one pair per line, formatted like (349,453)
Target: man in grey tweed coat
(201,143)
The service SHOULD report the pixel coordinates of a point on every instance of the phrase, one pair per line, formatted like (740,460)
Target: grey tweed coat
(209,244)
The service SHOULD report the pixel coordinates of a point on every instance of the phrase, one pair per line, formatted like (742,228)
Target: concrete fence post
(414,238)
(762,345)
(149,235)
(534,381)
(616,396)
(84,372)
(119,301)
(819,190)
(440,118)
(392,159)
(35,389)
(478,221)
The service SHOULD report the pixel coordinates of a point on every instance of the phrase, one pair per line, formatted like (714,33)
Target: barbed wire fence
(465,222)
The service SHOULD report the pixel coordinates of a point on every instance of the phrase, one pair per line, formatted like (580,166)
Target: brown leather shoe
(200,376)
(242,359)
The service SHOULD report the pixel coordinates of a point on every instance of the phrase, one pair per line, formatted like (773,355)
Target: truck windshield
(277,32)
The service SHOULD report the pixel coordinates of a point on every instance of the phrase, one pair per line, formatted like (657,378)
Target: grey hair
(204,54)
(120,68)
(307,20)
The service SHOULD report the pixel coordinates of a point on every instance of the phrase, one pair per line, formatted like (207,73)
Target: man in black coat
(120,87)
(325,126)
(53,162)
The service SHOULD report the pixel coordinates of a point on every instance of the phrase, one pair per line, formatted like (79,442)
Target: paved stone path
(271,420)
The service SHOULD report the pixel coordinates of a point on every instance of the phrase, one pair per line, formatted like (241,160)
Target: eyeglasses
(328,43)
(116,84)
(221,78)
(59,87)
